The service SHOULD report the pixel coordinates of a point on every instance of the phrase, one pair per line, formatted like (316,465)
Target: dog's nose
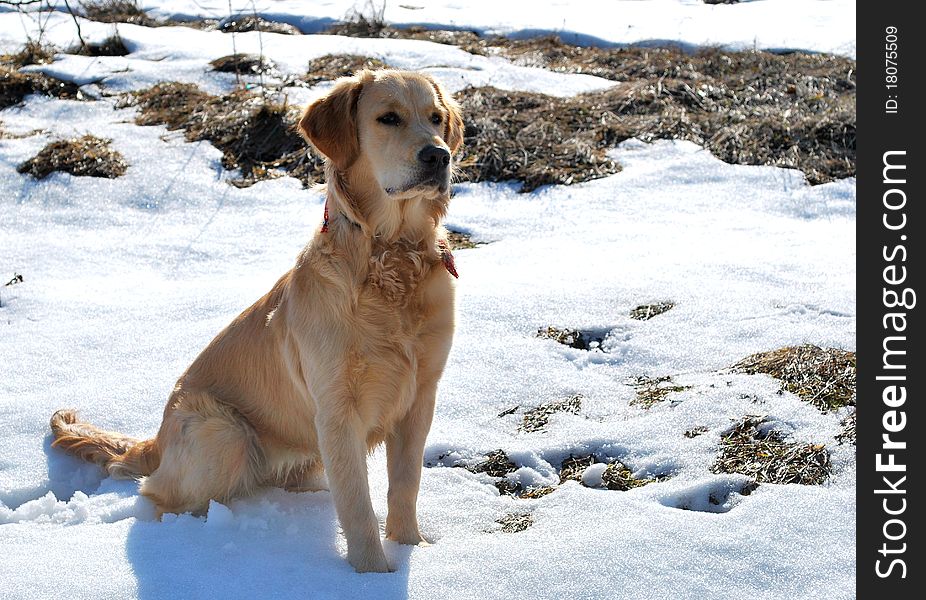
(434,157)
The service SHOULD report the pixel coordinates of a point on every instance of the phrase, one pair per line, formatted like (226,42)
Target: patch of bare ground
(847,435)
(116,11)
(536,419)
(653,390)
(616,475)
(763,454)
(32,53)
(244,64)
(580,340)
(245,23)
(515,522)
(254,133)
(461,241)
(645,312)
(111,46)
(331,66)
(16,85)
(532,138)
(824,377)
(86,156)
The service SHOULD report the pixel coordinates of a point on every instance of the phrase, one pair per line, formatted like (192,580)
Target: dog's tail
(122,457)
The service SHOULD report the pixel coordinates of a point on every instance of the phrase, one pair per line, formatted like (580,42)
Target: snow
(823,25)
(126,280)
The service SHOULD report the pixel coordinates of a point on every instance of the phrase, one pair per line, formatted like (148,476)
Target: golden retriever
(345,351)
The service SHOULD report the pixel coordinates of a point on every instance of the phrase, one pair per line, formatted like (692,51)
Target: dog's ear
(330,123)
(453,126)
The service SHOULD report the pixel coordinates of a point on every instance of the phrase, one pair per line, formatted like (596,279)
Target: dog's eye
(436,118)
(390,118)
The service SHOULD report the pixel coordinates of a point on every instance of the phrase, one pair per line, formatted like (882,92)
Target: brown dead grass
(111,46)
(15,85)
(653,390)
(847,435)
(515,522)
(32,53)
(536,419)
(461,241)
(245,23)
(535,139)
(645,312)
(245,64)
(254,134)
(86,156)
(768,458)
(116,11)
(331,66)
(825,378)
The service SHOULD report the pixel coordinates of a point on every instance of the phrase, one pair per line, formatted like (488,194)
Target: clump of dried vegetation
(653,390)
(254,134)
(16,85)
(111,46)
(461,241)
(116,11)
(332,66)
(616,475)
(645,312)
(580,340)
(245,23)
(515,522)
(536,419)
(847,435)
(765,456)
(244,64)
(84,156)
(824,377)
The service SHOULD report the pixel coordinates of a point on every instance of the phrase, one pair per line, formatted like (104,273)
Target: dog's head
(402,127)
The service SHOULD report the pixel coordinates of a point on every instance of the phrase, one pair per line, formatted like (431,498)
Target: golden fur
(344,352)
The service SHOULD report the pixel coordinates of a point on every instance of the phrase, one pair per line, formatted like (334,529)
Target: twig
(80,37)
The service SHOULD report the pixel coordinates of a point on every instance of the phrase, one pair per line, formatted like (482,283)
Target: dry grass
(331,66)
(255,135)
(847,435)
(532,138)
(116,11)
(580,340)
(645,312)
(496,464)
(111,46)
(767,458)
(823,377)
(515,522)
(653,390)
(795,110)
(245,23)
(245,64)
(461,241)
(696,431)
(618,477)
(536,419)
(15,85)
(87,156)
(32,53)
(571,468)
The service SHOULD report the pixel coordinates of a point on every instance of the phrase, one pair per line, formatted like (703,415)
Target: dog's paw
(412,538)
(369,562)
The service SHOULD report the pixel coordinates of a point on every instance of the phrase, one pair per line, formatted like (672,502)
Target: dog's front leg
(404,457)
(344,455)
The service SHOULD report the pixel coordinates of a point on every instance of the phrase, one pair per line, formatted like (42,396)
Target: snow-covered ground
(127,279)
